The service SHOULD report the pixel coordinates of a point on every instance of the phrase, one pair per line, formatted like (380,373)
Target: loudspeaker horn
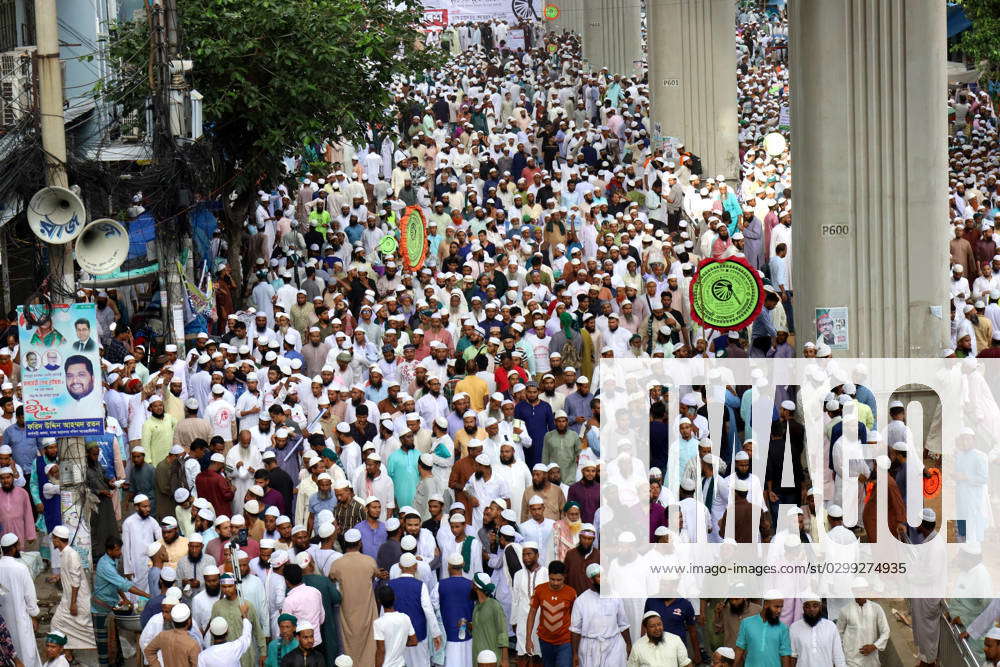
(56,215)
(102,247)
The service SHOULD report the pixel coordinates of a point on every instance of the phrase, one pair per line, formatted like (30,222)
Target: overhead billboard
(442,13)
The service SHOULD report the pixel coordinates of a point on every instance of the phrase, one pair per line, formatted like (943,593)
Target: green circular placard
(553,48)
(726,295)
(551,12)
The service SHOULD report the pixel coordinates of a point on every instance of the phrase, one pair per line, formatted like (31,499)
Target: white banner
(442,13)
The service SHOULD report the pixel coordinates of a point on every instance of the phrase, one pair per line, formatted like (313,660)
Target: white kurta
(243,478)
(18,603)
(79,629)
(599,622)
(522,588)
(137,535)
(860,625)
(818,645)
(229,653)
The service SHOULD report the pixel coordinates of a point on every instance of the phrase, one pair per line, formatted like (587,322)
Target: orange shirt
(555,610)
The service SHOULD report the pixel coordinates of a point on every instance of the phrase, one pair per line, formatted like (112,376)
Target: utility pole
(62,279)
(168,104)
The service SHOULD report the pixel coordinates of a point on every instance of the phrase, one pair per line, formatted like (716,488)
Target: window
(8,25)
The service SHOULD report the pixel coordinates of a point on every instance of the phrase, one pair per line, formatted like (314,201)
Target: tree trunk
(234,229)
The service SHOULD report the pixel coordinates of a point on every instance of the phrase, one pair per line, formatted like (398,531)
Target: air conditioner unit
(15,85)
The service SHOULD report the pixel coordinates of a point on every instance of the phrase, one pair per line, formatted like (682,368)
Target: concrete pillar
(869,158)
(570,16)
(692,78)
(611,35)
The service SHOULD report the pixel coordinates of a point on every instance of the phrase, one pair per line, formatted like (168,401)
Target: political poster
(832,327)
(61,371)
(442,13)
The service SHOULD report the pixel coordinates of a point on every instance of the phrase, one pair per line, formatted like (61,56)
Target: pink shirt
(305,603)
(15,514)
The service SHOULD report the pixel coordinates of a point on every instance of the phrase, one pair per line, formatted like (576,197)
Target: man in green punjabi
(489,623)
(228,607)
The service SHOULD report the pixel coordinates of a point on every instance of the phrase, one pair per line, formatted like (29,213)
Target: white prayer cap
(835,511)
(994,633)
(180,613)
(353,535)
(726,652)
(196,538)
(788,405)
(153,549)
(741,456)
(773,594)
(62,532)
(218,626)
(486,657)
(218,458)
(141,498)
(391,524)
(407,560)
(688,484)
(456,559)
(928,515)
(457,517)
(536,500)
(9,539)
(191,404)
(832,405)
(343,661)
(660,531)
(302,626)
(168,574)
(251,507)
(221,519)
(325,530)
(540,467)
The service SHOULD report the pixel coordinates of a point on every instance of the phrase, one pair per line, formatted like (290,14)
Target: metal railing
(957,652)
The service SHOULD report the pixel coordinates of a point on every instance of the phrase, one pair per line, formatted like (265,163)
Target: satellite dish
(775,144)
(102,246)
(56,215)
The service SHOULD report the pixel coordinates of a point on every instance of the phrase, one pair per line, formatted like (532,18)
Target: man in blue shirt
(537,417)
(678,619)
(763,640)
(109,587)
(23,448)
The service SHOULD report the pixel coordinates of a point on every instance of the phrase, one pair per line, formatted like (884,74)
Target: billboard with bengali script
(442,13)
(61,371)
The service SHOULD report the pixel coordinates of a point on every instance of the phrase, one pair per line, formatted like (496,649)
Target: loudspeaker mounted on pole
(102,246)
(56,215)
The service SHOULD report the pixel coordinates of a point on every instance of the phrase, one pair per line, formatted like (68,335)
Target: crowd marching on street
(355,463)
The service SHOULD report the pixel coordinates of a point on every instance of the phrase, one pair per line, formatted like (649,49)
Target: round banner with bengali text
(413,238)
(726,295)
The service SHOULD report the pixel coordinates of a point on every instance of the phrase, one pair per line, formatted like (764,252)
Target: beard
(538,486)
(742,475)
(655,640)
(213,591)
(580,549)
(771,617)
(7,489)
(471,430)
(811,620)
(196,559)
(737,610)
(506,460)
(589,482)
(156,416)
(596,587)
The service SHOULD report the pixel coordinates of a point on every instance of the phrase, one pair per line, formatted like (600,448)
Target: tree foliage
(982,41)
(275,75)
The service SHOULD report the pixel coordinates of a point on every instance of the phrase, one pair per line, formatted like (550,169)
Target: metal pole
(62,278)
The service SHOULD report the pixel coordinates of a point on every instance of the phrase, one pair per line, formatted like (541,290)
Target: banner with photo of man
(61,371)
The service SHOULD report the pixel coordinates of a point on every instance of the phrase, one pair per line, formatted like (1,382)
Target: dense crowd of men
(362,463)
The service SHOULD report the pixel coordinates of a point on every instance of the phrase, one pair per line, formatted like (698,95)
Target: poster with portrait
(61,371)
(832,327)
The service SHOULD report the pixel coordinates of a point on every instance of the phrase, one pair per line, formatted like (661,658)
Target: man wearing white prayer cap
(657,647)
(815,640)
(991,647)
(354,572)
(763,636)
(601,623)
(139,530)
(486,658)
(538,528)
(177,641)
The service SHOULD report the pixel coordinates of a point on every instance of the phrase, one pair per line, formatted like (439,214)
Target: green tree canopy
(982,41)
(277,74)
